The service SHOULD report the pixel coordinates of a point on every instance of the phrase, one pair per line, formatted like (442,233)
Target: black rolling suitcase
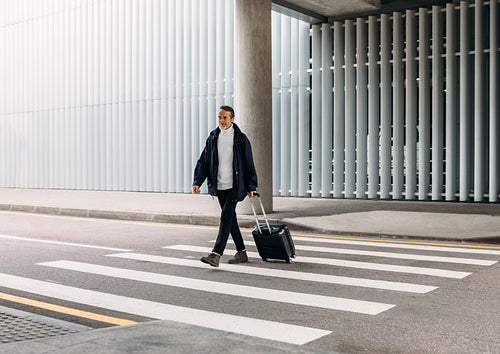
(274,244)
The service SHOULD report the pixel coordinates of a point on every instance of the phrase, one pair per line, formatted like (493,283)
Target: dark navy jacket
(244,174)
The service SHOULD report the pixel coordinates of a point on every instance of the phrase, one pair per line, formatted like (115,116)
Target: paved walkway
(409,219)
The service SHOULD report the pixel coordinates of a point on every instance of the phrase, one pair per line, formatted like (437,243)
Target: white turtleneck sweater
(225,151)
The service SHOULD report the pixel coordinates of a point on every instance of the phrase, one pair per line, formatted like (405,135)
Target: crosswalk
(428,265)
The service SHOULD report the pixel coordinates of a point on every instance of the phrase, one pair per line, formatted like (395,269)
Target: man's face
(225,120)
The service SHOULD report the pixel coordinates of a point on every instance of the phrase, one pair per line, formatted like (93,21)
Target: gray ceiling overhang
(317,11)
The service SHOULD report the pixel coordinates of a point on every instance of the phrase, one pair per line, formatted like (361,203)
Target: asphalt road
(366,295)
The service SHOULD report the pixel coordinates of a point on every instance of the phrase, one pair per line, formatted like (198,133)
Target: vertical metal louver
(425,94)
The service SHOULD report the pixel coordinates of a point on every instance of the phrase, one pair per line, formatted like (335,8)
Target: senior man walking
(227,164)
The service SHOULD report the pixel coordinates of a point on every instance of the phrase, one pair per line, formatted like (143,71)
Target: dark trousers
(228,223)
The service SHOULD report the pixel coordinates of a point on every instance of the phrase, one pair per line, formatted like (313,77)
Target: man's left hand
(252,194)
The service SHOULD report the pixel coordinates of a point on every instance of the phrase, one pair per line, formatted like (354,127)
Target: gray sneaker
(239,257)
(212,259)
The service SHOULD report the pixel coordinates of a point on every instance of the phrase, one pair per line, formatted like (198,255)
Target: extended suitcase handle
(263,212)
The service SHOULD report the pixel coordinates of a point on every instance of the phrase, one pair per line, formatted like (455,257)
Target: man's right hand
(196,189)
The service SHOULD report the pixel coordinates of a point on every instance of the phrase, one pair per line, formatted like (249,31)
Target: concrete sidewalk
(448,221)
(153,337)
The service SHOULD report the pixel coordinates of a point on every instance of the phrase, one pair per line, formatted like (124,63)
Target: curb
(196,219)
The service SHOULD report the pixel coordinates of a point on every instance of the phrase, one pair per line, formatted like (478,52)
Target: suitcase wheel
(289,260)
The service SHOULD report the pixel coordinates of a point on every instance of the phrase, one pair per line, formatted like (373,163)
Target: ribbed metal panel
(465,102)
(398,107)
(276,84)
(409,109)
(424,111)
(479,103)
(316,111)
(326,110)
(451,103)
(361,108)
(304,109)
(437,119)
(294,106)
(285,128)
(350,109)
(411,106)
(385,107)
(494,127)
(373,106)
(291,81)
(338,111)
(110,95)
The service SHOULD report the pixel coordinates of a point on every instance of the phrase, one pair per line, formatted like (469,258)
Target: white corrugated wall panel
(99,113)
(418,103)
(373,107)
(338,111)
(316,110)
(286,109)
(326,111)
(290,87)
(361,108)
(276,92)
(123,94)
(303,109)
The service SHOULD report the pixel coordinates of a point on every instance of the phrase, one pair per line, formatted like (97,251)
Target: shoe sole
(236,262)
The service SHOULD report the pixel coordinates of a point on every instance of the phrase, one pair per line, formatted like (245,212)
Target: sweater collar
(228,131)
(214,134)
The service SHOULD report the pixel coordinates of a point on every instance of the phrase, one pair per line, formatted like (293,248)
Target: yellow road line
(396,241)
(66,310)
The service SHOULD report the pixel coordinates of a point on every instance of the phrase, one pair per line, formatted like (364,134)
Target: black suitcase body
(277,244)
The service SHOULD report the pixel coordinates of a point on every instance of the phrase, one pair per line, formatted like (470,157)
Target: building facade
(120,95)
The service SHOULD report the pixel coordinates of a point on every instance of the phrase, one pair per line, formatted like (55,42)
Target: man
(227,164)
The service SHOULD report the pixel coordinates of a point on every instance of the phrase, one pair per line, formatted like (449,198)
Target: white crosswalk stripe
(287,274)
(416,257)
(236,324)
(349,264)
(406,245)
(327,302)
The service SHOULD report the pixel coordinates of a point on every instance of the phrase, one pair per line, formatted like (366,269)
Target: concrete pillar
(253,89)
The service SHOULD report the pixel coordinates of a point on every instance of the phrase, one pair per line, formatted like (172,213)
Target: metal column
(285,130)
(494,112)
(437,103)
(350,109)
(339,111)
(294,114)
(398,107)
(385,107)
(411,105)
(171,121)
(276,87)
(361,108)
(316,111)
(451,103)
(424,116)
(479,107)
(326,111)
(465,105)
(303,126)
(373,108)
